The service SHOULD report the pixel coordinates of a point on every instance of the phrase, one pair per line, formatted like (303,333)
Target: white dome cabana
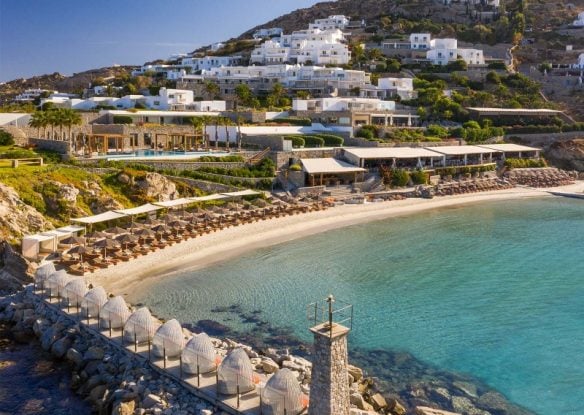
(140,327)
(235,370)
(43,272)
(114,312)
(168,340)
(199,355)
(282,393)
(75,290)
(93,302)
(56,283)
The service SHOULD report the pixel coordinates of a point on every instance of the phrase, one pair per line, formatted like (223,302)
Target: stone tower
(329,389)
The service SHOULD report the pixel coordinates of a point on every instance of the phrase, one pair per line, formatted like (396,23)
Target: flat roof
(176,202)
(102,217)
(328,165)
(514,111)
(392,152)
(510,147)
(139,209)
(461,150)
(151,113)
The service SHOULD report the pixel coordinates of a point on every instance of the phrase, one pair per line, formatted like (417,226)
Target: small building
(456,156)
(513,151)
(393,157)
(515,114)
(342,104)
(402,87)
(330,171)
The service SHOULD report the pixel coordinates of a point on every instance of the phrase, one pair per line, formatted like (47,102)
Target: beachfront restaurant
(393,157)
(457,156)
(330,172)
(514,151)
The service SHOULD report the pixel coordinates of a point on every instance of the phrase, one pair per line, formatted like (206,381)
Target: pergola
(514,150)
(326,170)
(97,142)
(464,155)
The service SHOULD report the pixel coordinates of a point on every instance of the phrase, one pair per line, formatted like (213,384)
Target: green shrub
(399,177)
(524,163)
(313,141)
(331,140)
(123,119)
(365,133)
(437,131)
(297,141)
(300,122)
(419,177)
(19,153)
(6,138)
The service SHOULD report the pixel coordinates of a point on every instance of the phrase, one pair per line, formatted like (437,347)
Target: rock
(68,194)
(465,406)
(440,395)
(124,178)
(567,154)
(494,402)
(94,353)
(395,407)
(61,346)
(17,218)
(378,402)
(74,357)
(356,372)
(424,410)
(269,366)
(154,185)
(206,412)
(124,408)
(97,393)
(467,388)
(357,400)
(150,401)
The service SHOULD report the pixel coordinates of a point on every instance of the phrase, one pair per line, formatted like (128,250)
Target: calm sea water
(494,290)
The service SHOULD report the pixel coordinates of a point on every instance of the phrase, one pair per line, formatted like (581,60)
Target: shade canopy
(282,394)
(208,198)
(102,217)
(115,313)
(43,272)
(328,166)
(235,370)
(75,290)
(247,192)
(56,282)
(93,301)
(140,327)
(174,203)
(147,208)
(168,340)
(199,355)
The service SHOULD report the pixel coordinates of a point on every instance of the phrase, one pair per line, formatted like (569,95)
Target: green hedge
(524,163)
(331,140)
(313,141)
(122,119)
(297,141)
(300,122)
(419,177)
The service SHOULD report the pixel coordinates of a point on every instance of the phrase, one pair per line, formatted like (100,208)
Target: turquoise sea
(494,290)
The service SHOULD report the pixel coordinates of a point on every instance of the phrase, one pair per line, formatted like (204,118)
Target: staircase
(256,158)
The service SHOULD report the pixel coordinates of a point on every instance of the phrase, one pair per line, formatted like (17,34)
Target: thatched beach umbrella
(73,240)
(151,222)
(79,250)
(145,233)
(127,239)
(177,224)
(96,235)
(116,230)
(106,244)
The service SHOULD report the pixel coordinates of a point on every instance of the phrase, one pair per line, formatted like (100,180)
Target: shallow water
(493,290)
(33,383)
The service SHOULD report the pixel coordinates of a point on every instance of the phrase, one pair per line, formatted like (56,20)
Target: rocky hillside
(59,82)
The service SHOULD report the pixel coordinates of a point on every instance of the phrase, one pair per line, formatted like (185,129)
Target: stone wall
(184,165)
(61,147)
(275,143)
(210,187)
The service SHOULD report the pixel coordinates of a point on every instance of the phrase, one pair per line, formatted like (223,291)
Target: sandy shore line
(132,278)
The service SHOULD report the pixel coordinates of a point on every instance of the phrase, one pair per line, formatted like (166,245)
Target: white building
(316,46)
(342,104)
(172,72)
(331,22)
(580,64)
(271,32)
(29,95)
(210,62)
(170,99)
(420,40)
(579,22)
(402,87)
(443,51)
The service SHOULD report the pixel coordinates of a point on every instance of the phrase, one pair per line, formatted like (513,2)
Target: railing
(15,163)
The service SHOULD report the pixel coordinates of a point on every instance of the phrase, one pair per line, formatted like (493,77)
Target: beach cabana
(75,291)
(168,341)
(114,313)
(323,171)
(140,327)
(43,272)
(199,355)
(282,394)
(235,373)
(176,203)
(208,198)
(33,245)
(56,283)
(93,302)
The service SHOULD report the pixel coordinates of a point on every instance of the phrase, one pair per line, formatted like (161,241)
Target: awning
(148,207)
(102,217)
(461,150)
(71,229)
(510,148)
(208,198)
(31,244)
(247,192)
(328,166)
(174,203)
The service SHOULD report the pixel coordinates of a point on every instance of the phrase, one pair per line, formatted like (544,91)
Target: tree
(39,120)
(227,123)
(70,118)
(197,123)
(212,89)
(218,122)
(302,94)
(206,121)
(244,95)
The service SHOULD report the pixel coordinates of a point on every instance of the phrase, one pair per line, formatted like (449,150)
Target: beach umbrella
(107,244)
(79,250)
(116,230)
(178,224)
(96,235)
(145,233)
(73,240)
(161,228)
(260,203)
(151,222)
(127,239)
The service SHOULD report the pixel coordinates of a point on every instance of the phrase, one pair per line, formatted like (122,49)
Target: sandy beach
(132,278)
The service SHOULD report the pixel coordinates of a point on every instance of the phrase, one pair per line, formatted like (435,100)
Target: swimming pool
(150,154)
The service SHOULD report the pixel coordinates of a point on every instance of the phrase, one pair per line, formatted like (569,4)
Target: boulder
(269,366)
(356,372)
(68,194)
(465,406)
(94,353)
(61,346)
(378,401)
(97,393)
(395,407)
(424,410)
(17,218)
(358,400)
(154,185)
(151,400)
(466,387)
(567,154)
(124,408)
(74,357)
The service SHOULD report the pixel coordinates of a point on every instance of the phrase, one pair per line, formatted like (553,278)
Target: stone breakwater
(115,380)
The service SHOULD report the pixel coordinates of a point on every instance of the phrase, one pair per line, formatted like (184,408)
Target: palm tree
(196,122)
(71,118)
(38,120)
(212,89)
(239,120)
(206,121)
(218,122)
(52,121)
(227,123)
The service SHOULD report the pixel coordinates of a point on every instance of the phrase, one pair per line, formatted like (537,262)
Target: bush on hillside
(122,119)
(399,177)
(331,140)
(419,177)
(313,141)
(524,163)
(6,139)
